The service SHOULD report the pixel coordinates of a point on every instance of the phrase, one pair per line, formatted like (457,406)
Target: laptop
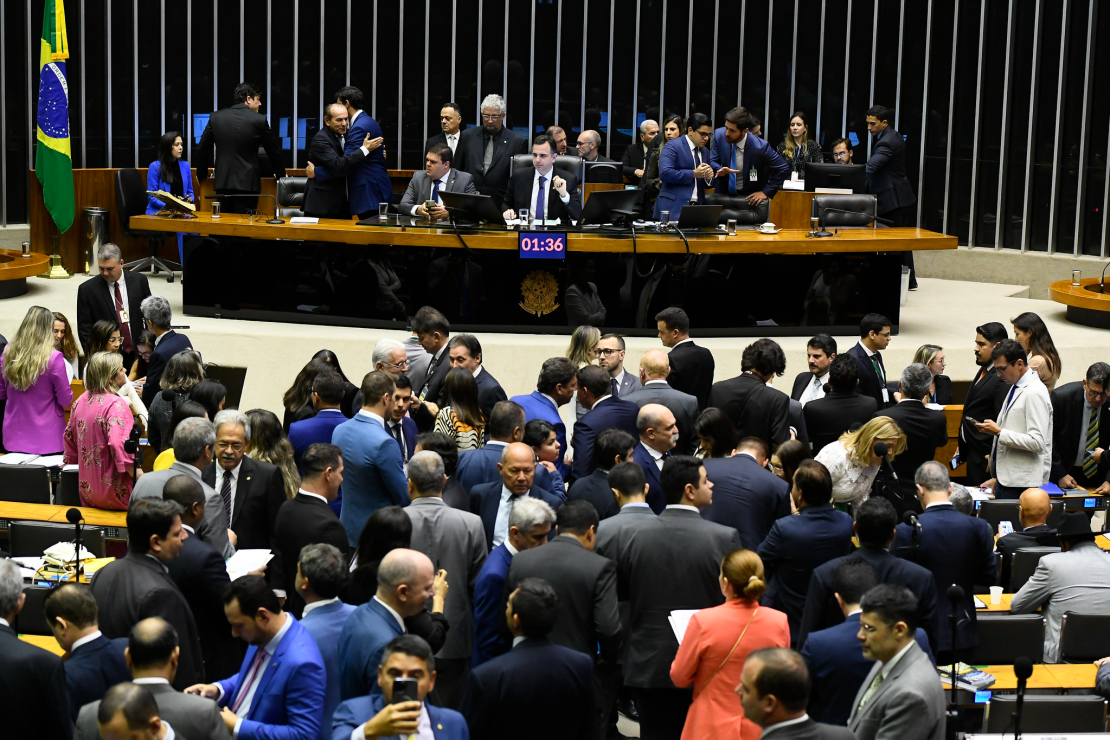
(472,208)
(700,217)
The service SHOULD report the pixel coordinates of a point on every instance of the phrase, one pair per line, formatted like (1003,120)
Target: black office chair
(1025,564)
(564,165)
(30,539)
(131,200)
(1052,714)
(863,207)
(290,196)
(31,619)
(25,484)
(67,492)
(1004,637)
(603,172)
(737,208)
(998,510)
(1084,638)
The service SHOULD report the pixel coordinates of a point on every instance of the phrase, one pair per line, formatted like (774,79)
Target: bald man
(654,368)
(658,436)
(589,147)
(493,502)
(1034,507)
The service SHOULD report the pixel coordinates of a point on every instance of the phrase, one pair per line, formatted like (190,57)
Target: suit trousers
(976,470)
(607,687)
(1081,478)
(238,204)
(451,676)
(663,712)
(1007,492)
(905,216)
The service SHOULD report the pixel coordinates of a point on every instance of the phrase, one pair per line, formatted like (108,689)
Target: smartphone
(404,689)
(1006,527)
(973,421)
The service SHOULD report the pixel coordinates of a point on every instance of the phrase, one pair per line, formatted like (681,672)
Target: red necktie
(124,326)
(259,661)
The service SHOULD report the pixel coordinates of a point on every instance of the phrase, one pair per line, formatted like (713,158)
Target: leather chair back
(30,539)
(27,484)
(865,205)
(564,165)
(290,196)
(736,207)
(1005,637)
(603,172)
(993,512)
(31,619)
(1047,714)
(67,494)
(131,199)
(1024,565)
(1083,636)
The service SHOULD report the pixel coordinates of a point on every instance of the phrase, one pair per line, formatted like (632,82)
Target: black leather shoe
(627,707)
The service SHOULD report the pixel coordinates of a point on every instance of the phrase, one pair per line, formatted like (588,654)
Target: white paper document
(245,561)
(304,220)
(680,620)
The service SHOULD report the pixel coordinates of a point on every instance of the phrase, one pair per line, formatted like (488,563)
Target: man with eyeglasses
(487,151)
(747,166)
(685,169)
(450,119)
(874,333)
(610,356)
(842,151)
(1081,432)
(545,194)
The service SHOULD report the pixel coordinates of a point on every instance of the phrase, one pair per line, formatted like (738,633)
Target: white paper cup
(996,594)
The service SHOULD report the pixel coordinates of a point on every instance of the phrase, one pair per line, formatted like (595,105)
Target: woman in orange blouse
(716,644)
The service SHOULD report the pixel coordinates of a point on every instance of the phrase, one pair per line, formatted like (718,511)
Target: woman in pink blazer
(716,644)
(34,383)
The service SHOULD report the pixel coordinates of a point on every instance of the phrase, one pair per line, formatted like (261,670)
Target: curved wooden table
(15,269)
(1086,304)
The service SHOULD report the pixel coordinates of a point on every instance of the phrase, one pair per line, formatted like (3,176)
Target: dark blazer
(886,172)
(607,414)
(447,724)
(870,384)
(684,406)
(943,393)
(676,170)
(643,458)
(609,533)
(691,371)
(984,401)
(314,429)
(654,587)
(33,695)
(169,345)
(489,605)
(237,132)
(795,546)
(94,668)
(95,303)
(490,392)
(809,730)
(771,168)
(518,195)
(587,586)
(957,549)
(408,434)
(201,575)
(485,499)
(1037,536)
(469,157)
(746,497)
(822,611)
(501,695)
(437,373)
(364,637)
(368,184)
(302,520)
(137,586)
(633,160)
(926,429)
(259,493)
(477,467)
(440,138)
(755,409)
(1069,421)
(327,197)
(595,489)
(829,417)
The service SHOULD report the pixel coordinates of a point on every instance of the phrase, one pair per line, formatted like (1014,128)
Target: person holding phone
(421,198)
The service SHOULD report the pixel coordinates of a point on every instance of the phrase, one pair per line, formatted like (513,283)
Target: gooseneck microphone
(910,519)
(955,596)
(881,451)
(75,517)
(1023,669)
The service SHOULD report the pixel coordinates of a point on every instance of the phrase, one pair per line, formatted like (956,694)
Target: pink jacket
(35,419)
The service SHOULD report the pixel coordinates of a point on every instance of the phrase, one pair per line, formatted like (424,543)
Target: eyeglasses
(704,134)
(840,155)
(608,352)
(115,340)
(397,365)
(491,116)
(237,446)
(144,355)
(885,334)
(1099,394)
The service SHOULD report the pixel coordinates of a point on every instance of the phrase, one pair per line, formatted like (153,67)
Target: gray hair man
(926,429)
(635,156)
(167,343)
(486,152)
(389,357)
(114,295)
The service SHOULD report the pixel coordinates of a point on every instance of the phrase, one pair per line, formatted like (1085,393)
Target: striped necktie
(878,680)
(1090,465)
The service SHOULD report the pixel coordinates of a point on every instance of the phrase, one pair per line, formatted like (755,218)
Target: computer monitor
(699,217)
(605,172)
(842,176)
(601,204)
(472,208)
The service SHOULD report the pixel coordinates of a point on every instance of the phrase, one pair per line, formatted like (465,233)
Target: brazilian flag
(53,161)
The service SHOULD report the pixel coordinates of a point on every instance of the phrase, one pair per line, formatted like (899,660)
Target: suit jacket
(609,533)
(374,475)
(289,700)
(315,429)
(518,195)
(798,420)
(259,493)
(96,303)
(137,586)
(1069,421)
(1023,449)
(489,604)
(829,417)
(654,587)
(490,392)
(326,197)
(909,703)
(201,575)
(984,401)
(430,387)
(746,497)
(683,405)
(655,498)
(420,188)
(302,520)
(364,636)
(957,549)
(213,529)
(485,499)
(801,382)
(808,730)
(676,171)
(1040,535)
(454,541)
(190,716)
(169,345)
(795,546)
(755,409)
(837,668)
(772,169)
(94,668)
(447,724)
(633,160)
(587,586)
(33,693)
(469,157)
(236,133)
(595,489)
(368,184)
(926,429)
(870,384)
(886,172)
(1073,581)
(477,467)
(325,623)
(409,433)
(691,371)
(538,406)
(608,413)
(500,695)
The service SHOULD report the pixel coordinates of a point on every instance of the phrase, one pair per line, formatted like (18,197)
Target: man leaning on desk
(531,187)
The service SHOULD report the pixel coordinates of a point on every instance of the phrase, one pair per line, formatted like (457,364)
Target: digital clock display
(542,245)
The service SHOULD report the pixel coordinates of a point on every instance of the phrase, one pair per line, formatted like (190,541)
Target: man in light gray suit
(152,655)
(194,441)
(629,486)
(454,541)
(610,355)
(1077,579)
(438,175)
(901,696)
(654,369)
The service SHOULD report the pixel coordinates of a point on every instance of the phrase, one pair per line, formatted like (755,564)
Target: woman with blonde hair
(583,345)
(932,357)
(268,444)
(716,644)
(797,148)
(852,461)
(35,384)
(66,343)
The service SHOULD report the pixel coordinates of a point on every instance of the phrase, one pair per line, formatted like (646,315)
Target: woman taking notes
(171,174)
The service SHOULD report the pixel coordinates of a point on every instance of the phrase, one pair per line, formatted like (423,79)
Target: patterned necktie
(225,494)
(872,689)
(244,689)
(539,200)
(1090,465)
(124,326)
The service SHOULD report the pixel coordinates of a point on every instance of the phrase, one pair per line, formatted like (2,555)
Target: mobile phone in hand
(405,689)
(1006,527)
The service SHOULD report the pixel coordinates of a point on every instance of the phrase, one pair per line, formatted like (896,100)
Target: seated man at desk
(531,188)
(438,175)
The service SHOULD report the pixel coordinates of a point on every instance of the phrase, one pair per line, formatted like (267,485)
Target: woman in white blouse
(66,343)
(852,461)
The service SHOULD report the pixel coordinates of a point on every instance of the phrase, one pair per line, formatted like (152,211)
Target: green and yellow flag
(53,161)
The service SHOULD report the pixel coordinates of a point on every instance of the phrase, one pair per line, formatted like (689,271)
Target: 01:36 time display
(543,245)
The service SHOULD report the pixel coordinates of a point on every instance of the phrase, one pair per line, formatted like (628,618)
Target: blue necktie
(539,200)
(732,175)
(435,191)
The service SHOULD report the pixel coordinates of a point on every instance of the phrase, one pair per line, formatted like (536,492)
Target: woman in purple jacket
(34,382)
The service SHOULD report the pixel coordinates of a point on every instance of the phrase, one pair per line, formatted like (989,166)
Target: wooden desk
(1003,607)
(15,269)
(49,513)
(952,415)
(44,642)
(791,209)
(1059,677)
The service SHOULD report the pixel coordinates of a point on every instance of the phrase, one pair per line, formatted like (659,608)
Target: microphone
(75,517)
(955,596)
(955,593)
(881,451)
(910,518)
(1023,669)
(274,220)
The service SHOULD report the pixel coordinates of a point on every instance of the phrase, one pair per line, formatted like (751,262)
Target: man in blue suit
(606,411)
(373,473)
(836,664)
(555,388)
(746,496)
(494,502)
(743,163)
(957,549)
(658,430)
(159,317)
(321,575)
(684,168)
(405,657)
(278,694)
(368,185)
(327,399)
(405,583)
(505,426)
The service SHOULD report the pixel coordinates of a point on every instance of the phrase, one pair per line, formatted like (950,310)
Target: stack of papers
(968,677)
(20,458)
(304,220)
(680,620)
(243,562)
(546,222)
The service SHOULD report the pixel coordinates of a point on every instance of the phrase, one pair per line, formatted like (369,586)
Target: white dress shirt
(317,604)
(123,295)
(84,640)
(432,189)
(815,389)
(269,649)
(655,454)
(452,140)
(696,156)
(393,611)
(785,723)
(882,380)
(151,681)
(310,493)
(546,194)
(619,377)
(234,474)
(372,415)
(684,507)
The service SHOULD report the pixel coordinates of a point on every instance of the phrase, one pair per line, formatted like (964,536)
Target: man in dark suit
(487,151)
(629,488)
(1081,431)
(501,695)
(886,175)
(110,295)
(654,587)
(139,585)
(810,385)
(438,176)
(307,519)
(755,409)
(464,350)
(926,429)
(746,496)
(588,146)
(654,369)
(774,691)
(158,317)
(326,195)
(684,168)
(1031,530)
(327,399)
(546,194)
(874,526)
(493,502)
(236,133)
(400,425)
(433,330)
(736,157)
(94,663)
(691,366)
(613,447)
(874,332)
(842,408)
(635,156)
(957,549)
(656,425)
(450,121)
(984,401)
(555,387)
(559,136)
(368,184)
(595,392)
(505,425)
